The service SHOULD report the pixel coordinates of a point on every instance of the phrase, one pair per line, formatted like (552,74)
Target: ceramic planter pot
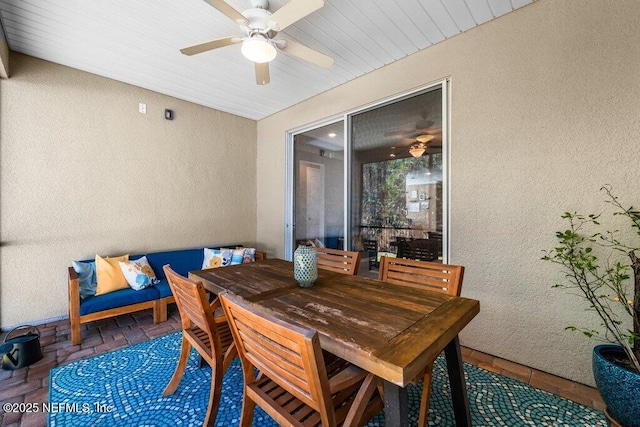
(620,388)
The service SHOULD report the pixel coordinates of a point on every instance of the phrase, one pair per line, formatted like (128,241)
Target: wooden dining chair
(422,274)
(420,249)
(204,329)
(346,262)
(298,383)
(371,247)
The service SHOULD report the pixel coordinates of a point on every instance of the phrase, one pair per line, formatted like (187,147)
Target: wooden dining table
(389,330)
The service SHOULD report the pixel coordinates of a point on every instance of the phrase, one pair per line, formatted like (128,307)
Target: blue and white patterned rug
(124,388)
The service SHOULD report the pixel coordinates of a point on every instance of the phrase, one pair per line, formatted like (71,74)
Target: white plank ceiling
(138,42)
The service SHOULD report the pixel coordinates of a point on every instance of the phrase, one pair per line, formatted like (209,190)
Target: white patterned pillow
(138,273)
(214,258)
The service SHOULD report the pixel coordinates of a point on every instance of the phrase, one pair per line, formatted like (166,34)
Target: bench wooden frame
(159,306)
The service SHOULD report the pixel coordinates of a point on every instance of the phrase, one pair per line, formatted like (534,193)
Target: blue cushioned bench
(128,300)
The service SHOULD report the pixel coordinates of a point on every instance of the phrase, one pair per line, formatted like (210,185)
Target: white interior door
(313,174)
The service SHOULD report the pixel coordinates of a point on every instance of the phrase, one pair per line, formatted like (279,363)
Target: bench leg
(76,333)
(159,311)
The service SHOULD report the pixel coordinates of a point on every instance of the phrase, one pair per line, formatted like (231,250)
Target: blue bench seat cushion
(181,261)
(120,298)
(163,288)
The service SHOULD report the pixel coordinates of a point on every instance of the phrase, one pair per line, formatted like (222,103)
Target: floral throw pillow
(249,255)
(214,258)
(138,273)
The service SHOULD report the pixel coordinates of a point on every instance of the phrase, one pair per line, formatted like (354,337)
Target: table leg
(396,405)
(457,383)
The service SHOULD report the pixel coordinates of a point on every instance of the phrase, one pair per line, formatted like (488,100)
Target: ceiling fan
(259,27)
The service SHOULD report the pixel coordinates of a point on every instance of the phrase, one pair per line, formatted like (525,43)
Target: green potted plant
(603,268)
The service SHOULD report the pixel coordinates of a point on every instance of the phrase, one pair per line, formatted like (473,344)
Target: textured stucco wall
(82,172)
(545,109)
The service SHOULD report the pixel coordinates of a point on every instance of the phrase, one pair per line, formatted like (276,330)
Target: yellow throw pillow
(109,273)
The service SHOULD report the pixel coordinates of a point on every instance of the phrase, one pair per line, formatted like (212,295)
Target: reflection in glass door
(397,181)
(318,202)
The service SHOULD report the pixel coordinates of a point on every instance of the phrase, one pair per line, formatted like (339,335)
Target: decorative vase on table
(305,265)
(619,387)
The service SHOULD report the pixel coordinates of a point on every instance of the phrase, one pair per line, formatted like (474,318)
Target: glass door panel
(397,180)
(318,202)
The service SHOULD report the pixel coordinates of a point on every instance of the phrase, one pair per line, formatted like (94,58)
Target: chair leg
(179,372)
(424,401)
(231,352)
(361,401)
(214,395)
(248,407)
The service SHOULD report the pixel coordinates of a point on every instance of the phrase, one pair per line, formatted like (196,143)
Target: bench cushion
(181,261)
(120,298)
(163,288)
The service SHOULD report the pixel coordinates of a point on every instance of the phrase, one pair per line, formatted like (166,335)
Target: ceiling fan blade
(292,12)
(413,132)
(213,44)
(303,52)
(229,11)
(424,124)
(430,130)
(399,133)
(262,73)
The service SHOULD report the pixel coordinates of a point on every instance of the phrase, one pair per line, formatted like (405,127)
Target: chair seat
(202,338)
(344,381)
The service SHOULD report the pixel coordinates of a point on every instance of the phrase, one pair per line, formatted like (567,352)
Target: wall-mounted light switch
(142,108)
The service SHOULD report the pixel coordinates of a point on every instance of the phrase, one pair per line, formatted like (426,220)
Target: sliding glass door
(318,191)
(380,188)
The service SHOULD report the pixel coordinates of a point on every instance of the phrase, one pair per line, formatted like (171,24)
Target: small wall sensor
(168,114)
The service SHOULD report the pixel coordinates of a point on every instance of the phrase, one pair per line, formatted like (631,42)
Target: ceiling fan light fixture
(258,49)
(417,150)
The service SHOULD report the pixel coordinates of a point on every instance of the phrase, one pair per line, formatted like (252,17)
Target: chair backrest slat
(346,262)
(282,356)
(289,355)
(436,276)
